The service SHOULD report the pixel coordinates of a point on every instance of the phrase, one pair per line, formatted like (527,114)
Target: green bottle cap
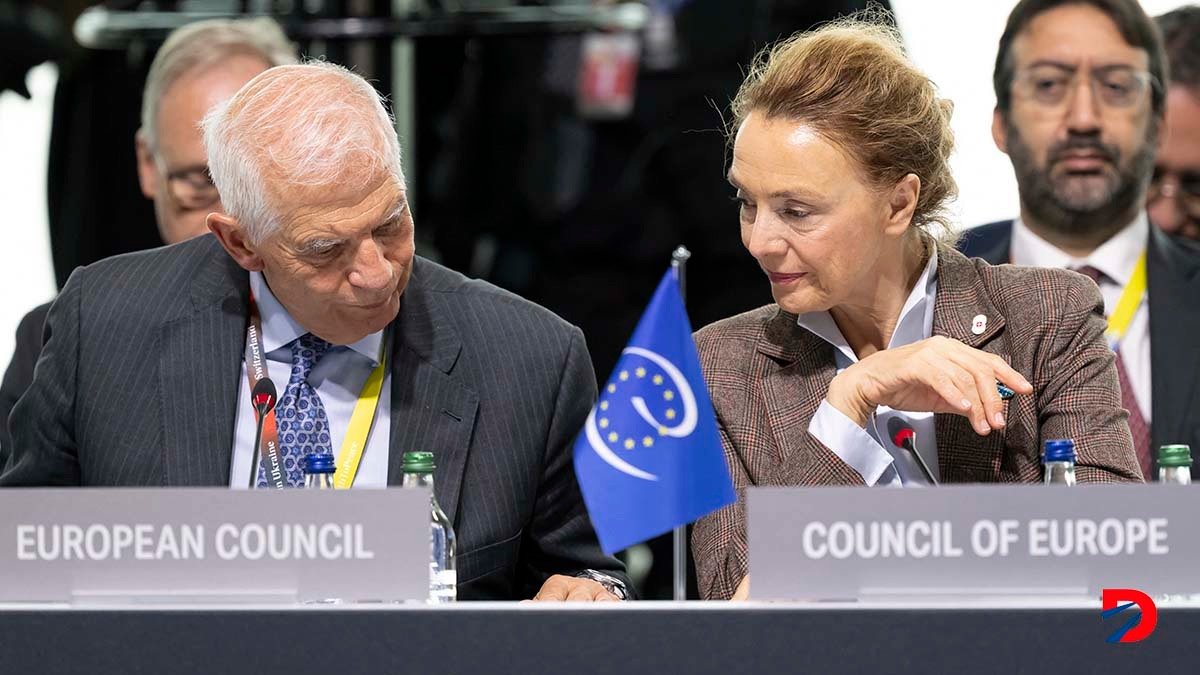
(1174,456)
(419,462)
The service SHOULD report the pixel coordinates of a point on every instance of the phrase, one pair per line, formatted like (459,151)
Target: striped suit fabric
(137,386)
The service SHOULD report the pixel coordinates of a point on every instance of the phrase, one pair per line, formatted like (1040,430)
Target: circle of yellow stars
(647,441)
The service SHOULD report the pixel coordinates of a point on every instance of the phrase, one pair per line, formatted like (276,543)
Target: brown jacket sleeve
(1079,396)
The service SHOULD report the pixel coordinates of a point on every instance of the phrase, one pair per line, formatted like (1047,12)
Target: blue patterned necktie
(300,415)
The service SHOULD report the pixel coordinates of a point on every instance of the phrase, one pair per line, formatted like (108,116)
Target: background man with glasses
(1174,199)
(1080,101)
(198,66)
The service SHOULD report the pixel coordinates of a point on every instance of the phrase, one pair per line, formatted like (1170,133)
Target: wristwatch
(610,583)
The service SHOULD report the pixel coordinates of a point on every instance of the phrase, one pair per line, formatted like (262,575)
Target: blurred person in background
(840,166)
(1174,199)
(198,66)
(1080,100)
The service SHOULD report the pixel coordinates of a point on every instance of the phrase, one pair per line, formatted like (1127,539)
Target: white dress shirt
(338,378)
(870,451)
(1116,258)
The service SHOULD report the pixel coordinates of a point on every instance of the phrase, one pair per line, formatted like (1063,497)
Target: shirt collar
(915,322)
(281,330)
(1116,257)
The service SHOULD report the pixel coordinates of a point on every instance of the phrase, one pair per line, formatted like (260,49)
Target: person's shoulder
(738,333)
(491,308)
(150,266)
(153,283)
(31,324)
(985,241)
(1037,292)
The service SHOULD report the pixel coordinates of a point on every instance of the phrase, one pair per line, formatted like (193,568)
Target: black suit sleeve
(19,374)
(560,538)
(42,423)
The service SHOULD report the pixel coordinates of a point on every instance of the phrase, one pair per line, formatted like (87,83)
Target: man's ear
(147,169)
(902,203)
(999,131)
(233,238)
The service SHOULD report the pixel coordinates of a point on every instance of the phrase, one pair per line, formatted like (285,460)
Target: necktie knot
(306,351)
(1091,273)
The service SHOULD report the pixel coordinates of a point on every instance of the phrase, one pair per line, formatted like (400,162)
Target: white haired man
(198,66)
(145,384)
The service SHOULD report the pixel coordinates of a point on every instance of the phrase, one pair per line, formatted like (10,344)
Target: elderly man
(198,65)
(144,380)
(1079,106)
(1174,200)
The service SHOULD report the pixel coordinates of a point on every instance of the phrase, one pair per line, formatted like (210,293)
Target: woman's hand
(937,375)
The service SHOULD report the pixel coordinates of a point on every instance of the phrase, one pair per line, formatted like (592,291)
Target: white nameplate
(196,544)
(976,540)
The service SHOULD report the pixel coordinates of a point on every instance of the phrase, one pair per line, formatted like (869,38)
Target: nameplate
(977,540)
(213,544)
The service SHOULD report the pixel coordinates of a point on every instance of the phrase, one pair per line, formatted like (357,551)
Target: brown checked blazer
(767,376)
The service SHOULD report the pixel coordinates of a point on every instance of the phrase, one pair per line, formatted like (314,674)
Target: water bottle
(1175,465)
(1175,468)
(443,579)
(318,471)
(1058,456)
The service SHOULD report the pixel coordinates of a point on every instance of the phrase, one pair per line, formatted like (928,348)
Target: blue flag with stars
(649,458)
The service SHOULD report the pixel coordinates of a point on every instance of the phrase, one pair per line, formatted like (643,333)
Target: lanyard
(1128,304)
(357,432)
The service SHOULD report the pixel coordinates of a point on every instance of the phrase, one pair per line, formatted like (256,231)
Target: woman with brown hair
(840,166)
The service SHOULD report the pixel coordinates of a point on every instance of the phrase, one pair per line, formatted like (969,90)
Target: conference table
(994,636)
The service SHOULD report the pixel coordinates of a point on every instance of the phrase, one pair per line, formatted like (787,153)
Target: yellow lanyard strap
(360,426)
(1128,304)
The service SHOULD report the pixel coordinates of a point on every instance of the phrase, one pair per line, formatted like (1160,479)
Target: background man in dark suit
(142,379)
(198,65)
(1174,200)
(1079,106)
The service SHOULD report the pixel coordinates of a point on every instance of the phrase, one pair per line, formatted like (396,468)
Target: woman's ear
(902,203)
(232,236)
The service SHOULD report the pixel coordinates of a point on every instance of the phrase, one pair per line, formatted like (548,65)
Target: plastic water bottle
(1058,456)
(318,471)
(1175,465)
(443,577)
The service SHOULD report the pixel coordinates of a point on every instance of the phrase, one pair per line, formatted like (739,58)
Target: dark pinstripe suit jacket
(137,386)
(767,376)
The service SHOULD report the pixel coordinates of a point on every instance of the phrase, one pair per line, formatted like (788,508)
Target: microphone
(904,436)
(263,398)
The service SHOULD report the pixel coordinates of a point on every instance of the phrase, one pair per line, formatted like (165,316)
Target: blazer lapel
(1173,275)
(798,379)
(431,409)
(963,455)
(199,368)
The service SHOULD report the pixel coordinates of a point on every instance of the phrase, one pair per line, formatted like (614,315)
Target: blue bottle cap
(319,463)
(1059,450)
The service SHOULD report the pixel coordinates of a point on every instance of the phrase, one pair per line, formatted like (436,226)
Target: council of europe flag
(649,458)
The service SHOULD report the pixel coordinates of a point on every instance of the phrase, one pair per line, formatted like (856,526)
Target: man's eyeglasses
(1183,187)
(1052,86)
(192,188)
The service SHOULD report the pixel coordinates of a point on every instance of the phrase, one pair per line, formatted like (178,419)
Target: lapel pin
(979,324)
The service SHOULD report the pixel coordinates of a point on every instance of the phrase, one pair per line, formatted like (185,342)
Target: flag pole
(679,258)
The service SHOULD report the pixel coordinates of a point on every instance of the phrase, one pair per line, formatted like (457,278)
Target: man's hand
(559,588)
